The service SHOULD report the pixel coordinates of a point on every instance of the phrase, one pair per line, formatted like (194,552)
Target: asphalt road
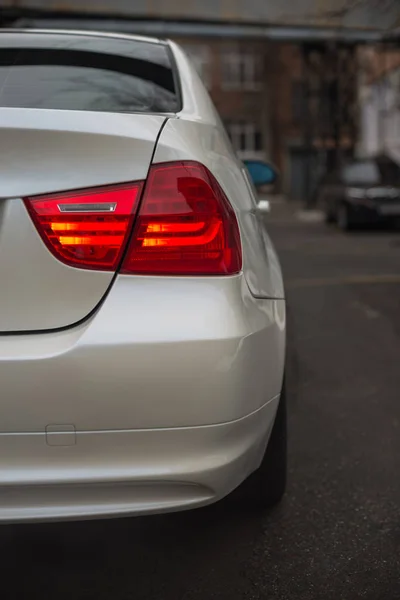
(337,533)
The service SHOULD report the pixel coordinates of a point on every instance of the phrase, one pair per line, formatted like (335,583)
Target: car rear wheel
(329,217)
(266,486)
(344,220)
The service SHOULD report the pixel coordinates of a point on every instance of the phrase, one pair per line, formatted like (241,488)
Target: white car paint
(113,148)
(164,397)
(198,134)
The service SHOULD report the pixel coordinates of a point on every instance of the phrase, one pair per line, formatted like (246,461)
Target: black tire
(344,218)
(266,486)
(330,218)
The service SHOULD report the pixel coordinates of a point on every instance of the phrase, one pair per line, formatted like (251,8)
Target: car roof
(84,33)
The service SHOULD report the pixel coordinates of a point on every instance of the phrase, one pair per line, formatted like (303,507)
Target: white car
(142,321)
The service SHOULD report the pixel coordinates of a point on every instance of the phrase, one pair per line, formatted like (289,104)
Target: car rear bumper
(162,400)
(157,354)
(121,473)
(375,212)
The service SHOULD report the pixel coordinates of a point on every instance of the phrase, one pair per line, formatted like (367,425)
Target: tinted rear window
(366,173)
(78,73)
(372,172)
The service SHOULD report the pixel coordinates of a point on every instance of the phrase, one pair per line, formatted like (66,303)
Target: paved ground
(337,534)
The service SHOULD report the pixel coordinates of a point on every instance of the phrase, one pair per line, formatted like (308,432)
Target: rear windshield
(366,173)
(90,74)
(377,172)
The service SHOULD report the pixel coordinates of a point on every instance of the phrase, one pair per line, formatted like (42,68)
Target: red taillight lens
(185,225)
(87,228)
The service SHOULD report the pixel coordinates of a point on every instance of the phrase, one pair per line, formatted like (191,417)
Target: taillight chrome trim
(88,208)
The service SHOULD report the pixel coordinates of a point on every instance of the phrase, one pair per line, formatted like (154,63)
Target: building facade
(273,108)
(379,101)
(255,87)
(235,73)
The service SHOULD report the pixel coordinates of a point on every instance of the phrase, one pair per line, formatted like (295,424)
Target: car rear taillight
(87,228)
(185,225)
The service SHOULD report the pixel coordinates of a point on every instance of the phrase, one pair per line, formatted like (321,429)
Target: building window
(200,57)
(241,70)
(246,138)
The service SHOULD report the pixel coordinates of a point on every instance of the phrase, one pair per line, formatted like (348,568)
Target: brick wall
(271,106)
(237,104)
(285,70)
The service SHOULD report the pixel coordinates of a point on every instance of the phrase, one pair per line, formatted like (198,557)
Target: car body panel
(108,473)
(186,352)
(48,151)
(164,396)
(41,152)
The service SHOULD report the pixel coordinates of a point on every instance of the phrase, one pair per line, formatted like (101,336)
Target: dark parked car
(361,192)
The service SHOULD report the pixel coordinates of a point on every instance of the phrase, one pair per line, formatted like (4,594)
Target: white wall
(380,117)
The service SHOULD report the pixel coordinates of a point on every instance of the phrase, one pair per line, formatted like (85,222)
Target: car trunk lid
(47,152)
